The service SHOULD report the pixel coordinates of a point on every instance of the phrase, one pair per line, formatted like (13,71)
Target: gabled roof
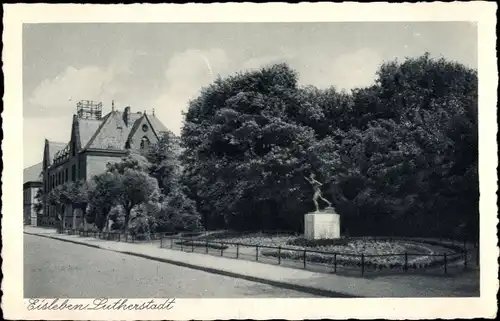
(33,173)
(54,148)
(111,134)
(136,124)
(157,124)
(87,128)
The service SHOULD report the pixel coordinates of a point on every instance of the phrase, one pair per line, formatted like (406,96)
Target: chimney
(126,116)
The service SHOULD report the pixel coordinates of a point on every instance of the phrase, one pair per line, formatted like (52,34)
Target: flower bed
(378,254)
(201,244)
(255,239)
(396,261)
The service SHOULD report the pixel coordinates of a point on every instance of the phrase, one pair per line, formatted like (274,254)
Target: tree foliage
(38,205)
(397,156)
(103,192)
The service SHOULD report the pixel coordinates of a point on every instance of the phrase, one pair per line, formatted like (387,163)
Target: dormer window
(145,128)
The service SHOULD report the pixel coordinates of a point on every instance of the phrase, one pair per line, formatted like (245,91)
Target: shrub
(314,243)
(191,234)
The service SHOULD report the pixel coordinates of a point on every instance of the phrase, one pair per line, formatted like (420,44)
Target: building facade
(95,141)
(32,182)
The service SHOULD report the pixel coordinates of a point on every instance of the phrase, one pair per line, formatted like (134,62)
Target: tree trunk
(127,218)
(63,217)
(105,227)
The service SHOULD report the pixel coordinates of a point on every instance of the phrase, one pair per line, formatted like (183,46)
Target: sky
(162,66)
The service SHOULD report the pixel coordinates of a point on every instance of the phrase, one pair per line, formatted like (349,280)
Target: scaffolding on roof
(89,109)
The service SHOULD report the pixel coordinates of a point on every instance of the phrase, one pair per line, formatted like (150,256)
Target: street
(59,269)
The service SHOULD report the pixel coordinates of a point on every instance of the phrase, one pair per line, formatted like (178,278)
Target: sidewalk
(328,285)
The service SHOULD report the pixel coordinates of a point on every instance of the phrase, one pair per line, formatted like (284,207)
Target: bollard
(161,243)
(279,255)
(406,261)
(192,246)
(222,249)
(362,264)
(171,243)
(304,258)
(335,262)
(237,250)
(256,253)
(182,245)
(445,264)
(206,246)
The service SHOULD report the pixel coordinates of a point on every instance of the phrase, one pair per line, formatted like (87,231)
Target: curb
(285,285)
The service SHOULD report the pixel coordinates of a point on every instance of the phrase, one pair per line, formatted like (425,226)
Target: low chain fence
(462,255)
(116,236)
(463,258)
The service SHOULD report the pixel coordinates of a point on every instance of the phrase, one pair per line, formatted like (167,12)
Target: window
(73,173)
(144,143)
(73,148)
(66,175)
(81,168)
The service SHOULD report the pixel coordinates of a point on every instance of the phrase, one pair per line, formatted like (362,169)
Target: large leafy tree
(411,151)
(245,149)
(103,192)
(60,199)
(133,188)
(164,162)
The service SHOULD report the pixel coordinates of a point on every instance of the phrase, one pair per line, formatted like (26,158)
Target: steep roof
(32,173)
(111,134)
(156,124)
(87,128)
(54,148)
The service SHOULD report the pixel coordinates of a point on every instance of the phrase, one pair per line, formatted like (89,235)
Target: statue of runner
(317,191)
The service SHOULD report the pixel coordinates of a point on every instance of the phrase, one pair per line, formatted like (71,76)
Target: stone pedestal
(324,224)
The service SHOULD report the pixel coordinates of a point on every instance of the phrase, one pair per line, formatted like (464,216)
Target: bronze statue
(317,191)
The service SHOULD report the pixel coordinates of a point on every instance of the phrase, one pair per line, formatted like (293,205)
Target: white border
(483,13)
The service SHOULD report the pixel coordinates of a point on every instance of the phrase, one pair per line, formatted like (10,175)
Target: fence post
(304,258)
(206,246)
(171,243)
(192,246)
(279,255)
(222,249)
(362,264)
(335,262)
(406,261)
(445,264)
(182,245)
(161,243)
(237,250)
(256,253)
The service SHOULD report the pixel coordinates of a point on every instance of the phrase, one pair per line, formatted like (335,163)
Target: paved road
(59,269)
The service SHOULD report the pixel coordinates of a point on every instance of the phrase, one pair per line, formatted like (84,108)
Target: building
(32,182)
(95,141)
